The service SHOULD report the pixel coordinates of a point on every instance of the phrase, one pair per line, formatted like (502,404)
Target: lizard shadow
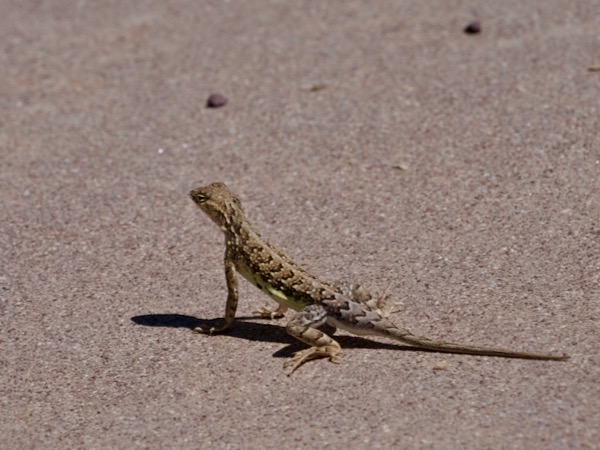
(256,331)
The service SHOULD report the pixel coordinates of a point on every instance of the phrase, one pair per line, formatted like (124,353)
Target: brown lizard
(318,302)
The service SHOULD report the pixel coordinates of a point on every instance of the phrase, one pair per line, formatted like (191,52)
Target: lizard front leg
(232,296)
(303,326)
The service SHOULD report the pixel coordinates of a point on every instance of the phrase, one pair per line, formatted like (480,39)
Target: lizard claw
(333,352)
(212,330)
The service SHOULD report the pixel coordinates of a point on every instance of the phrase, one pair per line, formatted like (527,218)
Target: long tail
(449,347)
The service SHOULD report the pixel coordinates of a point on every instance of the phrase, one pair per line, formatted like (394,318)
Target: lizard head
(218,203)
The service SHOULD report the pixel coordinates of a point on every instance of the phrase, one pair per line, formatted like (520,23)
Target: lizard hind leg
(303,326)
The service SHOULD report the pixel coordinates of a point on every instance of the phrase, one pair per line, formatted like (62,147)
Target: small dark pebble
(473,28)
(216,101)
(317,87)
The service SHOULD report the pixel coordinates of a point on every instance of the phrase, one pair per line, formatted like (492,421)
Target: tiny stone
(441,365)
(216,101)
(317,87)
(473,28)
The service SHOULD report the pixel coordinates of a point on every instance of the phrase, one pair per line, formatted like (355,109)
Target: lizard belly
(276,294)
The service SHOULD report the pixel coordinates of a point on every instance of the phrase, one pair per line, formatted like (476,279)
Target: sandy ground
(375,142)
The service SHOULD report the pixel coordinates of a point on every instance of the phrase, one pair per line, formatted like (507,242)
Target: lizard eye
(198,197)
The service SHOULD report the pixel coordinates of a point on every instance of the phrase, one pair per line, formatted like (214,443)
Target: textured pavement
(375,142)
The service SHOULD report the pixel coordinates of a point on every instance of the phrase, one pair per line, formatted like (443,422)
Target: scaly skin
(317,302)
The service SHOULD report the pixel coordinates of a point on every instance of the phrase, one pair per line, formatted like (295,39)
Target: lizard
(317,303)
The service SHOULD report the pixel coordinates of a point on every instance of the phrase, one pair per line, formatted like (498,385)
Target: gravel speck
(473,28)
(216,101)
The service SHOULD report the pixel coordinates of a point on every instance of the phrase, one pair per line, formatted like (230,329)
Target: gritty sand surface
(374,142)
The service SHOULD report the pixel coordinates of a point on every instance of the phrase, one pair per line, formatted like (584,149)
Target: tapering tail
(407,337)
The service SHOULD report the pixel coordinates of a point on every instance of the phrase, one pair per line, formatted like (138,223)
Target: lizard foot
(333,352)
(265,313)
(390,308)
(383,306)
(212,330)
